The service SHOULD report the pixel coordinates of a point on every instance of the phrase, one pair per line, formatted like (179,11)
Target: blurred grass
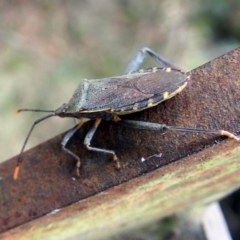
(47,47)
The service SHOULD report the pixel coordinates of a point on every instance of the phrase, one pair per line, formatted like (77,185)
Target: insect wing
(123,92)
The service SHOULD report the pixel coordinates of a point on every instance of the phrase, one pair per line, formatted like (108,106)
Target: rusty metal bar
(47,181)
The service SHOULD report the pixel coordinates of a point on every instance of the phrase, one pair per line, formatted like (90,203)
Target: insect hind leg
(160,127)
(87,142)
(141,55)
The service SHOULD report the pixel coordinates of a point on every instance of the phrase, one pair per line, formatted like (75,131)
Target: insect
(109,98)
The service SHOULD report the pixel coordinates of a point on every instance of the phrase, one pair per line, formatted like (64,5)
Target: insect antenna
(32,110)
(20,159)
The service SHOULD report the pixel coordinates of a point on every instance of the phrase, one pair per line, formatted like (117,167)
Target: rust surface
(46,181)
(197,179)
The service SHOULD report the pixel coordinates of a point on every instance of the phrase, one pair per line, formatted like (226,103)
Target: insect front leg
(67,137)
(141,55)
(87,142)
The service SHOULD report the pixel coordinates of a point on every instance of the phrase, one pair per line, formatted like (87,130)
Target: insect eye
(64,108)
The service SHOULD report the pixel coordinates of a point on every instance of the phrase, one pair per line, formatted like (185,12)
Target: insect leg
(156,126)
(141,55)
(87,142)
(68,136)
